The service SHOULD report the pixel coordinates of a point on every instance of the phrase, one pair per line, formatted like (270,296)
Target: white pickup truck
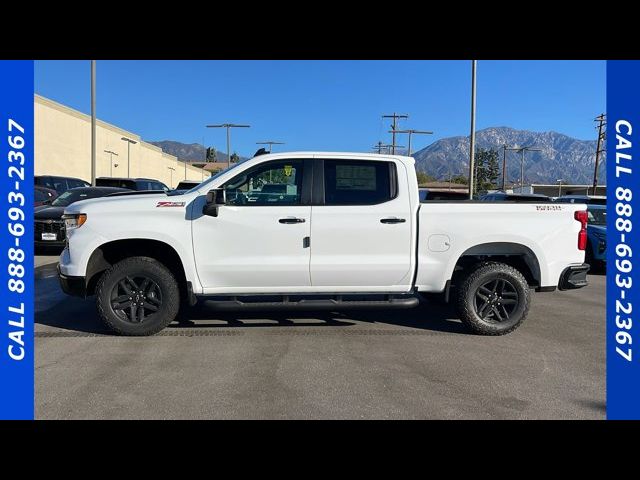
(317,230)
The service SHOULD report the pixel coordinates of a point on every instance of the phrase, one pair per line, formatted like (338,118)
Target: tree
(487,170)
(212,154)
(460,179)
(424,178)
(235,158)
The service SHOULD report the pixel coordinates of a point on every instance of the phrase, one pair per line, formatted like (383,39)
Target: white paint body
(246,250)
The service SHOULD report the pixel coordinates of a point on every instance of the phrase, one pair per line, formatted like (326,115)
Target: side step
(299,302)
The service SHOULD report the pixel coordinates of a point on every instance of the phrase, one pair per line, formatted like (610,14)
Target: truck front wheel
(493,299)
(137,296)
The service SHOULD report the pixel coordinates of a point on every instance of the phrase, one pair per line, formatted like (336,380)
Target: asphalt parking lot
(414,364)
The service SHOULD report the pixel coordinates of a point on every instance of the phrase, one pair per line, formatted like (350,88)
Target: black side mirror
(215,198)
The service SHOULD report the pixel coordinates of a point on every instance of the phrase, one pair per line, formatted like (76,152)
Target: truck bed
(546,232)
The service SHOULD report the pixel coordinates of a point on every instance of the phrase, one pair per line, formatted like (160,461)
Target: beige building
(63,147)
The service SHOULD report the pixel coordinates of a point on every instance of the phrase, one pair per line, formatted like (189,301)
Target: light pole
(560,180)
(129,142)
(93,122)
(111,154)
(171,181)
(472,140)
(411,132)
(228,126)
(270,143)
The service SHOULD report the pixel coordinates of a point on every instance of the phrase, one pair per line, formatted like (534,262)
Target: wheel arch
(114,251)
(517,255)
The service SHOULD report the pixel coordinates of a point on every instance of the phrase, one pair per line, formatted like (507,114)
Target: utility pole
(504,165)
(411,132)
(93,122)
(171,181)
(472,140)
(394,127)
(129,142)
(560,180)
(111,154)
(601,119)
(522,150)
(270,143)
(228,126)
(381,146)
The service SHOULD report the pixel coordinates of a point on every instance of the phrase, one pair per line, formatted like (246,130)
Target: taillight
(582,216)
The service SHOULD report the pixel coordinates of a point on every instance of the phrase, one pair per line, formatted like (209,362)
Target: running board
(299,303)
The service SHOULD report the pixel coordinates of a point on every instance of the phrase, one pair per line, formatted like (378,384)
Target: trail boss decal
(548,207)
(170,204)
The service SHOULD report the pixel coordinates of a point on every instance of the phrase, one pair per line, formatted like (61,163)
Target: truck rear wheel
(493,299)
(137,296)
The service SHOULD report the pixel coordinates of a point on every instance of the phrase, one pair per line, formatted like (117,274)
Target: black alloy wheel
(496,300)
(134,299)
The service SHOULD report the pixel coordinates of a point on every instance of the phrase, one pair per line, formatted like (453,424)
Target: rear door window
(358,182)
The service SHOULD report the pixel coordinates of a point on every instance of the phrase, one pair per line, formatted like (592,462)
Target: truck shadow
(434,317)
(80,316)
(56,310)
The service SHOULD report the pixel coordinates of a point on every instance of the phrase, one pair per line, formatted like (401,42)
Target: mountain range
(560,157)
(194,152)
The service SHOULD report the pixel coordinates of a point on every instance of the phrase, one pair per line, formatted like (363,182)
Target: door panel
(246,247)
(366,246)
(259,240)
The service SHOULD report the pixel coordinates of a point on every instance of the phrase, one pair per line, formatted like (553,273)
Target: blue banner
(623,247)
(16,240)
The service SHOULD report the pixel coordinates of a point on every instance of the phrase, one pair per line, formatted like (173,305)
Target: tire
(493,316)
(145,280)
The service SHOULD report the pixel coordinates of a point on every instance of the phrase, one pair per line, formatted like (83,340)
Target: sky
(328,105)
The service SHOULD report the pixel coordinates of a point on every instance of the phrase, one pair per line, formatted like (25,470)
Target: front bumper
(573,277)
(75,286)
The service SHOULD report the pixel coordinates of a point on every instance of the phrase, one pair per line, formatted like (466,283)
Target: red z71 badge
(170,204)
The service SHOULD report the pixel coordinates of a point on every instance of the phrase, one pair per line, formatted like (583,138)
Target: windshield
(70,196)
(597,217)
(213,177)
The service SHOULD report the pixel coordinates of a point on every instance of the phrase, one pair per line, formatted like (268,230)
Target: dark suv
(131,183)
(59,184)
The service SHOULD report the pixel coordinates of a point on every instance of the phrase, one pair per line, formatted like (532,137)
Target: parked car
(59,184)
(187,184)
(514,197)
(43,196)
(586,199)
(427,195)
(596,254)
(369,243)
(49,227)
(132,183)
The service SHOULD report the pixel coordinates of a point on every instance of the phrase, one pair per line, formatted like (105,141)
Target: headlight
(74,220)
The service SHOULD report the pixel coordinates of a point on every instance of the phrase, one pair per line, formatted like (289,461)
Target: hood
(48,213)
(601,229)
(125,203)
